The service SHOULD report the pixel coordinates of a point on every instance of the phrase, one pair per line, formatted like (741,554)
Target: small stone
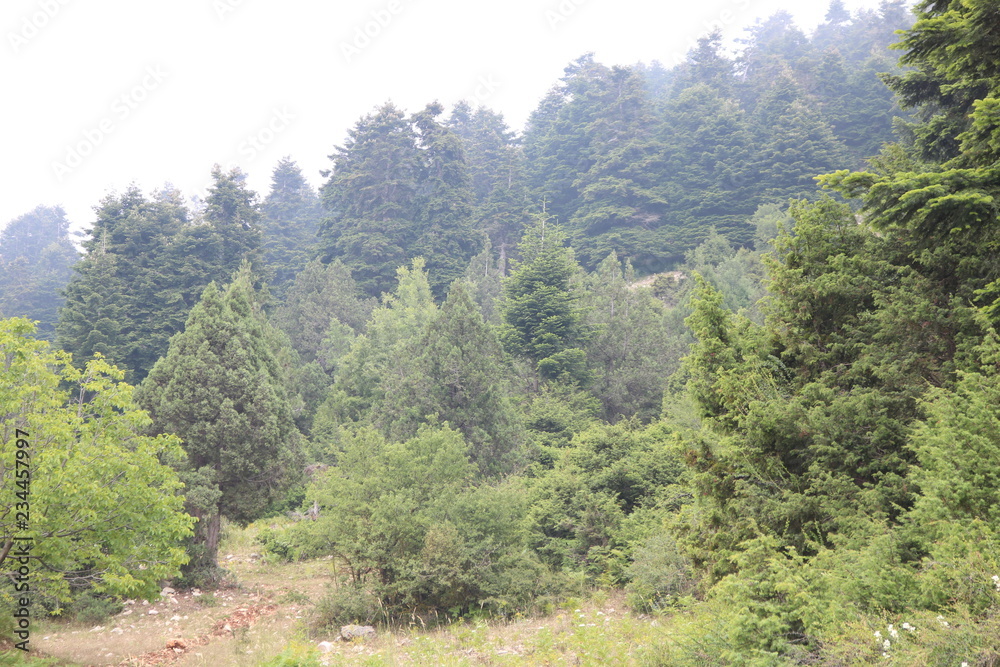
(117,631)
(174,601)
(167,591)
(152,612)
(97,628)
(324,647)
(175,618)
(350,632)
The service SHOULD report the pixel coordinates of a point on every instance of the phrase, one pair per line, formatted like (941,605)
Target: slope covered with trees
(477,389)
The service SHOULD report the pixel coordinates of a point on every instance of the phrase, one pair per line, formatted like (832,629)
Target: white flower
(893,633)
(886,644)
(965,664)
(907,626)
(878,635)
(940,619)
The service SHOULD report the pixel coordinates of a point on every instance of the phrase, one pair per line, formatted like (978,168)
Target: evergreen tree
(542,318)
(444,214)
(383,357)
(496,168)
(370,197)
(320,295)
(221,390)
(629,355)
(291,214)
(36,259)
(460,378)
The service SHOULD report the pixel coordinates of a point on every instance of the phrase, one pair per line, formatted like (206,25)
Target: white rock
(97,628)
(324,647)
(175,618)
(152,612)
(167,591)
(174,601)
(117,631)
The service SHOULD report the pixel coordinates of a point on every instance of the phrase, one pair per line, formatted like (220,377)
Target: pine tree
(220,389)
(629,355)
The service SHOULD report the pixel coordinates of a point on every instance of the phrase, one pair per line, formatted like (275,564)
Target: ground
(266,611)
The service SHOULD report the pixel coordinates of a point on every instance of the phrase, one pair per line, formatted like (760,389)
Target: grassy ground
(266,609)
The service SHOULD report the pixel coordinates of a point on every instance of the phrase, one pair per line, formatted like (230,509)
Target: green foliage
(399,189)
(343,604)
(291,213)
(606,474)
(632,351)
(542,319)
(105,512)
(408,524)
(36,259)
(221,390)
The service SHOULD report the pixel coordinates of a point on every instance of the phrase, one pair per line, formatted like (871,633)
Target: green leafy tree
(106,513)
(382,358)
(221,390)
(410,526)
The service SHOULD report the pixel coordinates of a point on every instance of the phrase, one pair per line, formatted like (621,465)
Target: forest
(721,337)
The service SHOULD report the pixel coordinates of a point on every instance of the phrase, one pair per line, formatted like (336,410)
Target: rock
(152,612)
(175,617)
(349,632)
(167,591)
(117,631)
(97,628)
(324,647)
(174,601)
(195,593)
(177,644)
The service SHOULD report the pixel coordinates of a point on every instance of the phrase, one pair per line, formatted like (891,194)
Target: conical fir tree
(220,389)
(460,378)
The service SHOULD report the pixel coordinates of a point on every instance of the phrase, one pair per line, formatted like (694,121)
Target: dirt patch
(241,617)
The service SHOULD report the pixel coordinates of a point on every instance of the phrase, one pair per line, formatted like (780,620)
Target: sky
(105,93)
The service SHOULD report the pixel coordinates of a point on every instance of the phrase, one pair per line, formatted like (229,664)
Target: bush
(296,655)
(93,609)
(343,605)
(660,575)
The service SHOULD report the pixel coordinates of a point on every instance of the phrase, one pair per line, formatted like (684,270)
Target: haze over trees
(638,345)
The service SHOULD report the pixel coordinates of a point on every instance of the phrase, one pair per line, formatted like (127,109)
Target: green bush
(343,605)
(660,575)
(93,609)
(296,655)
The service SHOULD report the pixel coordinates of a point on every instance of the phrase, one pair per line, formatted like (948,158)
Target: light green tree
(102,509)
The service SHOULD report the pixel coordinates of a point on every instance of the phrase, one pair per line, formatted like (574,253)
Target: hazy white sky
(107,92)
